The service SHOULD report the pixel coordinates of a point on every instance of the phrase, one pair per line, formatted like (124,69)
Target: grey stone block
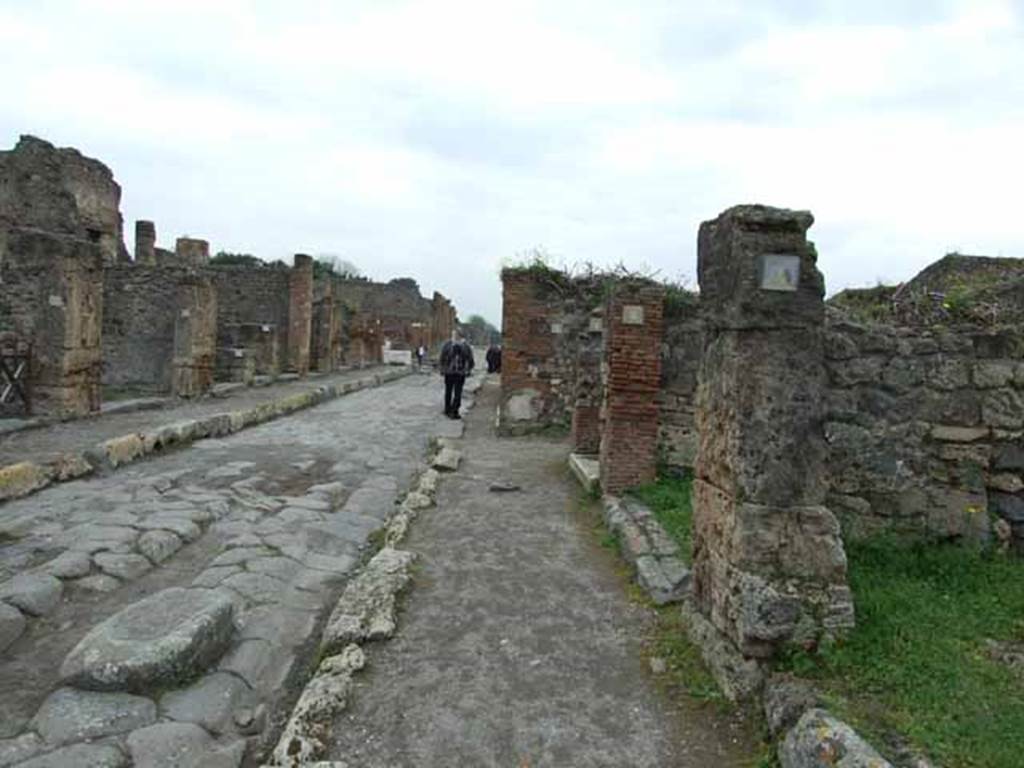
(69,565)
(69,715)
(167,637)
(127,567)
(819,735)
(182,745)
(37,594)
(211,702)
(80,756)
(159,545)
(14,751)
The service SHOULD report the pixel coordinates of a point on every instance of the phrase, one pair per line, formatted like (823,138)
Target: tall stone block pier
(629,442)
(769,565)
(300,313)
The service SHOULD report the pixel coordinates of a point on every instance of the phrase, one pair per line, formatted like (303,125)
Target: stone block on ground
(819,740)
(739,678)
(37,594)
(99,583)
(784,701)
(69,715)
(160,640)
(14,751)
(127,567)
(12,625)
(666,580)
(69,565)
(158,545)
(446,460)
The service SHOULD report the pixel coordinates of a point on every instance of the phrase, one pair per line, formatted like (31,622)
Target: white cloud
(439,138)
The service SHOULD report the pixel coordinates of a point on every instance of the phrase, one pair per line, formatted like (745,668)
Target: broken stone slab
(159,545)
(503,486)
(819,739)
(181,525)
(12,625)
(69,715)
(304,736)
(366,610)
(587,470)
(21,479)
(428,482)
(120,450)
(446,460)
(127,567)
(211,702)
(165,638)
(99,583)
(416,501)
(37,594)
(182,745)
(80,756)
(14,751)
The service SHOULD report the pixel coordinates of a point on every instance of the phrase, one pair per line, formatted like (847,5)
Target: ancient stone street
(168,608)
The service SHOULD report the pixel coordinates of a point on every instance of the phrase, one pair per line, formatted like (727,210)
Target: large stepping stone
(70,715)
(168,637)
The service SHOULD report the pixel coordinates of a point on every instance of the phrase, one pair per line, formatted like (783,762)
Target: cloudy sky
(440,139)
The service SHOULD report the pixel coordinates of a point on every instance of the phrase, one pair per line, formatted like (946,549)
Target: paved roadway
(277,515)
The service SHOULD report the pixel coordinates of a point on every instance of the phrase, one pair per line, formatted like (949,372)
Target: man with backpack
(456,363)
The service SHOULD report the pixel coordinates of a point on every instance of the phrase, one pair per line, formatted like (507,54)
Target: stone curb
(365,612)
(27,477)
(645,545)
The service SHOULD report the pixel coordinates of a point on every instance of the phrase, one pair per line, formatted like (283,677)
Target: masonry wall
(256,296)
(681,352)
(925,429)
(52,298)
(139,310)
(552,337)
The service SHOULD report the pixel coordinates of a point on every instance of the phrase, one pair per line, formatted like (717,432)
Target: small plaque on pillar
(633,314)
(596,325)
(556,328)
(780,272)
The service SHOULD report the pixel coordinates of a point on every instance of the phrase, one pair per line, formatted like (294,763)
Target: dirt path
(518,645)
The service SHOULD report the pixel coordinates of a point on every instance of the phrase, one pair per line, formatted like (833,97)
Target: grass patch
(916,665)
(669,498)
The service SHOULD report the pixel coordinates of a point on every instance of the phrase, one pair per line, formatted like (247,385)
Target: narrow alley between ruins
(274,517)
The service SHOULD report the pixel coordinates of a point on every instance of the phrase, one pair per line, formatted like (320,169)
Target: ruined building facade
(169,321)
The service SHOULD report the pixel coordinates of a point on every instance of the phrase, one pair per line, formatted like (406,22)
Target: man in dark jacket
(456,363)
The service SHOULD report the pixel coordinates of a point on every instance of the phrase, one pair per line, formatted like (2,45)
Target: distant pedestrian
(421,355)
(456,364)
(494,359)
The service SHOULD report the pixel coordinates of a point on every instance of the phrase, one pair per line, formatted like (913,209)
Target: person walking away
(492,358)
(456,364)
(421,354)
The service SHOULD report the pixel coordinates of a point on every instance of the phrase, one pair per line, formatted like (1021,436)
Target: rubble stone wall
(195,336)
(925,429)
(681,352)
(59,190)
(300,314)
(254,296)
(139,309)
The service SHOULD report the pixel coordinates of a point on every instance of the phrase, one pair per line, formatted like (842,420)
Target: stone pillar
(629,441)
(145,243)
(51,296)
(192,251)
(768,562)
(195,337)
(300,313)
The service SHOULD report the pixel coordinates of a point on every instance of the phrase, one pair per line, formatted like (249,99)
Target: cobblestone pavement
(240,542)
(43,443)
(517,645)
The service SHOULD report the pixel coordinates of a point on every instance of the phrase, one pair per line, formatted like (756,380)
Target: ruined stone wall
(257,297)
(195,336)
(393,311)
(139,310)
(442,321)
(681,352)
(300,314)
(925,429)
(63,192)
(552,334)
(52,297)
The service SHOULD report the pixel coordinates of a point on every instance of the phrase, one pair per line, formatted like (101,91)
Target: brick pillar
(192,251)
(629,441)
(195,337)
(145,243)
(769,566)
(51,296)
(300,313)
